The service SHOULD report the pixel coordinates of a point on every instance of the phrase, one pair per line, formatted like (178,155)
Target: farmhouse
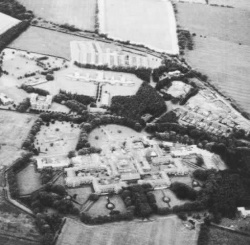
(5,100)
(92,53)
(40,102)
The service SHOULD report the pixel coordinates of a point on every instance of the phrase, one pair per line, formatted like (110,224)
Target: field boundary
(229,229)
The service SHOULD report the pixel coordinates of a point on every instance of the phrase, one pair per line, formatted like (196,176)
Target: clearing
(6,22)
(164,231)
(79,13)
(144,22)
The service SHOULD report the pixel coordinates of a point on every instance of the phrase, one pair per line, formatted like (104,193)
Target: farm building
(92,53)
(5,100)
(40,102)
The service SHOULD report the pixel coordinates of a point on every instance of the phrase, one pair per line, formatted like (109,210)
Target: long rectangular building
(92,53)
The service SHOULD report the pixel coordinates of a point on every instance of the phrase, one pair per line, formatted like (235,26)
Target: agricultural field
(163,231)
(228,24)
(79,13)
(57,139)
(226,64)
(18,225)
(222,47)
(143,24)
(6,22)
(14,128)
(28,180)
(218,236)
(10,240)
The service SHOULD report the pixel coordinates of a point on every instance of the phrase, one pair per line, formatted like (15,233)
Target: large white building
(40,102)
(89,52)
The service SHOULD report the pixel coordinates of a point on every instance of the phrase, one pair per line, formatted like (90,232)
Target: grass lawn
(28,180)
(89,88)
(14,127)
(8,154)
(109,136)
(78,13)
(174,201)
(160,232)
(40,40)
(99,207)
(58,138)
(82,192)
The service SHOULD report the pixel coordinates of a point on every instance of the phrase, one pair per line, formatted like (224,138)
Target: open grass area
(160,232)
(8,154)
(6,22)
(57,139)
(174,201)
(28,180)
(14,127)
(78,13)
(44,41)
(111,135)
(227,24)
(62,81)
(82,193)
(143,24)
